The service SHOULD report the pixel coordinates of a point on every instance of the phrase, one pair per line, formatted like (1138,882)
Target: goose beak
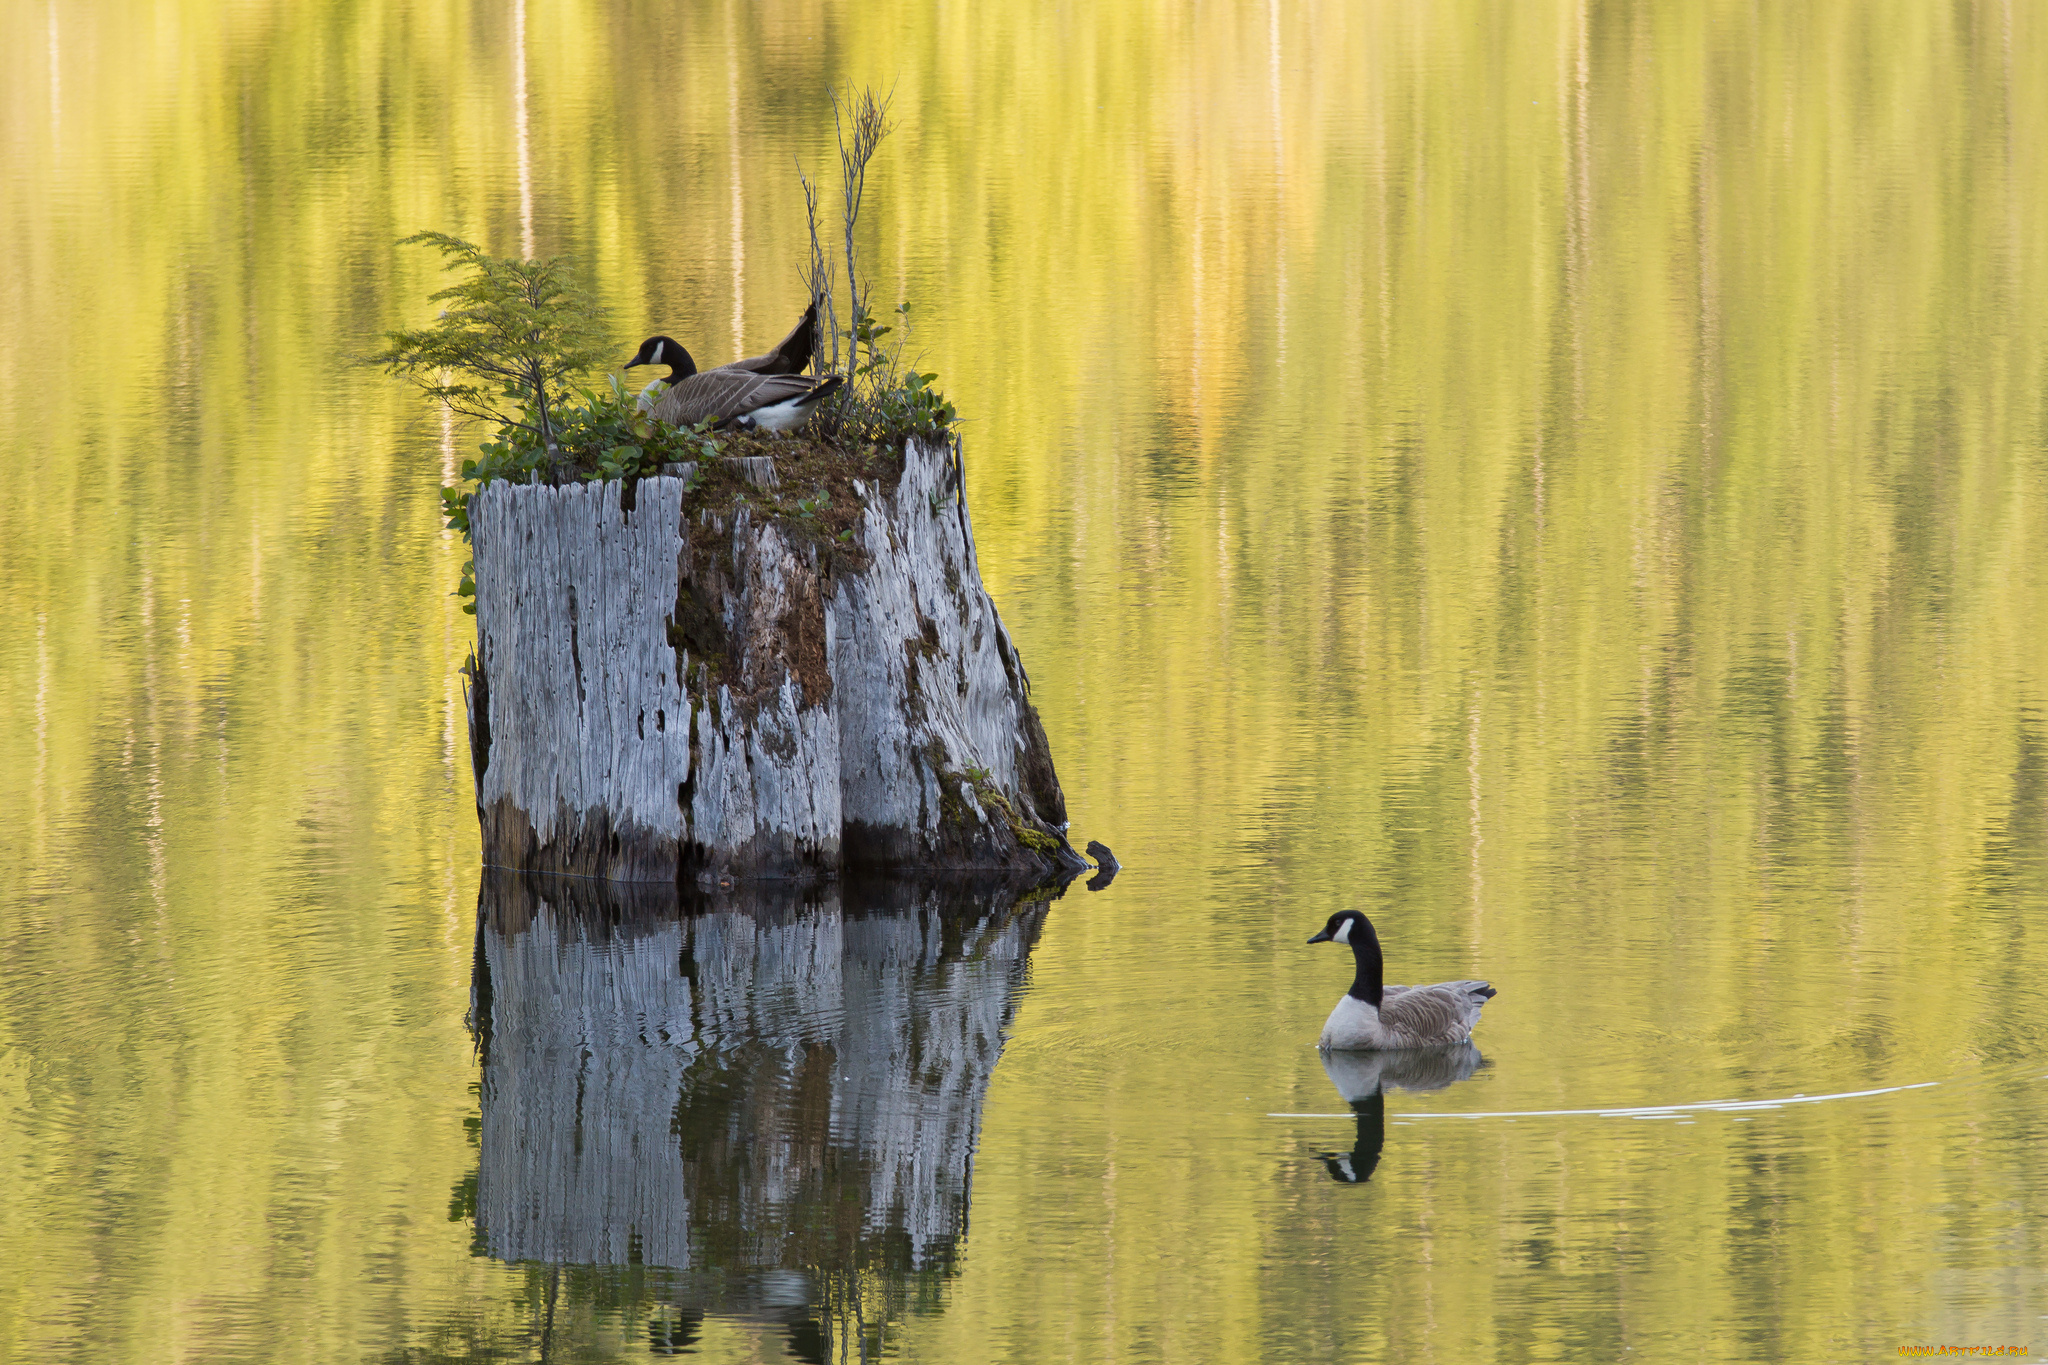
(1323,937)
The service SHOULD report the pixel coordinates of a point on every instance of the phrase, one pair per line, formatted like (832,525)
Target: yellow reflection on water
(1566,479)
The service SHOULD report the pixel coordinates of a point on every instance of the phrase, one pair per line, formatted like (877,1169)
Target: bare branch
(818,276)
(861,121)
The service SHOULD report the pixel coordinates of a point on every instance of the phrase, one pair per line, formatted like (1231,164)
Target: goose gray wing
(791,355)
(1426,1015)
(721,395)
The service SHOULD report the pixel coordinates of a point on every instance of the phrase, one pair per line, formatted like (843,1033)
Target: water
(1569,482)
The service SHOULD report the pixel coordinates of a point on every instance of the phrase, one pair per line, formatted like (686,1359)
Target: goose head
(1355,930)
(665,351)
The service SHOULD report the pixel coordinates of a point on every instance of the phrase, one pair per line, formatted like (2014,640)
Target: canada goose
(1374,1017)
(1363,1078)
(791,355)
(729,396)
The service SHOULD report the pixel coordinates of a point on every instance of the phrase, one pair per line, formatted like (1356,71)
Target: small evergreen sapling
(511,339)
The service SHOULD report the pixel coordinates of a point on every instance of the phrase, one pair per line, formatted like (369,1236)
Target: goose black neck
(665,351)
(1369,982)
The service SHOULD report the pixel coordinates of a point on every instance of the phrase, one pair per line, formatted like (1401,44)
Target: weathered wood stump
(673,686)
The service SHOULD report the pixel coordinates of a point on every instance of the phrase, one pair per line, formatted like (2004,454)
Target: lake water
(1568,480)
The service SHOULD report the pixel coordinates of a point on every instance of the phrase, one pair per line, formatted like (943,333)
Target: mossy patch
(826,472)
(953,807)
(824,490)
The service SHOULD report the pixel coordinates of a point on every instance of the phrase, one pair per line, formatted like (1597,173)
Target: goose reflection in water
(776,1096)
(1363,1078)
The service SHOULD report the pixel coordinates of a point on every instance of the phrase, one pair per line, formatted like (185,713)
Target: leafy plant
(807,509)
(514,335)
(604,436)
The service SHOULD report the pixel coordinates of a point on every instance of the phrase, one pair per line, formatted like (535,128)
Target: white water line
(739,238)
(1648,1110)
(1279,184)
(447,448)
(525,150)
(45,683)
(56,86)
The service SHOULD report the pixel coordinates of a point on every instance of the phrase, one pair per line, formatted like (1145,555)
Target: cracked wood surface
(665,692)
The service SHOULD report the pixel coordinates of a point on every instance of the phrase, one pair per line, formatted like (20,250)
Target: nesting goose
(791,355)
(729,395)
(1375,1017)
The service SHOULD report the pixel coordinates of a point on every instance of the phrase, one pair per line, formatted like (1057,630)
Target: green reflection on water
(1569,480)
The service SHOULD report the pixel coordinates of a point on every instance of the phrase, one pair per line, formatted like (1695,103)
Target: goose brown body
(762,391)
(730,395)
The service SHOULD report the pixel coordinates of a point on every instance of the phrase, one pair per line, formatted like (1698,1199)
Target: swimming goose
(1374,1017)
(730,396)
(791,355)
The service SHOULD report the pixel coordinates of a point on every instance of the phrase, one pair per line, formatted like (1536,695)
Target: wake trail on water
(1646,1110)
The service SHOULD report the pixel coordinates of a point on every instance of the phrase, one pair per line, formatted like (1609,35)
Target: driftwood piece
(665,691)
(772,1080)
(1106,865)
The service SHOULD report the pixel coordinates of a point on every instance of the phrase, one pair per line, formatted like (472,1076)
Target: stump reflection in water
(763,1103)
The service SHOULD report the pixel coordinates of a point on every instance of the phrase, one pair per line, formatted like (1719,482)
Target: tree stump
(674,687)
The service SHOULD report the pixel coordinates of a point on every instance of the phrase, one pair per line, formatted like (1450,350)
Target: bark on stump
(665,690)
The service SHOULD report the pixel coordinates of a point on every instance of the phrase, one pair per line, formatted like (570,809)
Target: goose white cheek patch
(659,347)
(1343,934)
